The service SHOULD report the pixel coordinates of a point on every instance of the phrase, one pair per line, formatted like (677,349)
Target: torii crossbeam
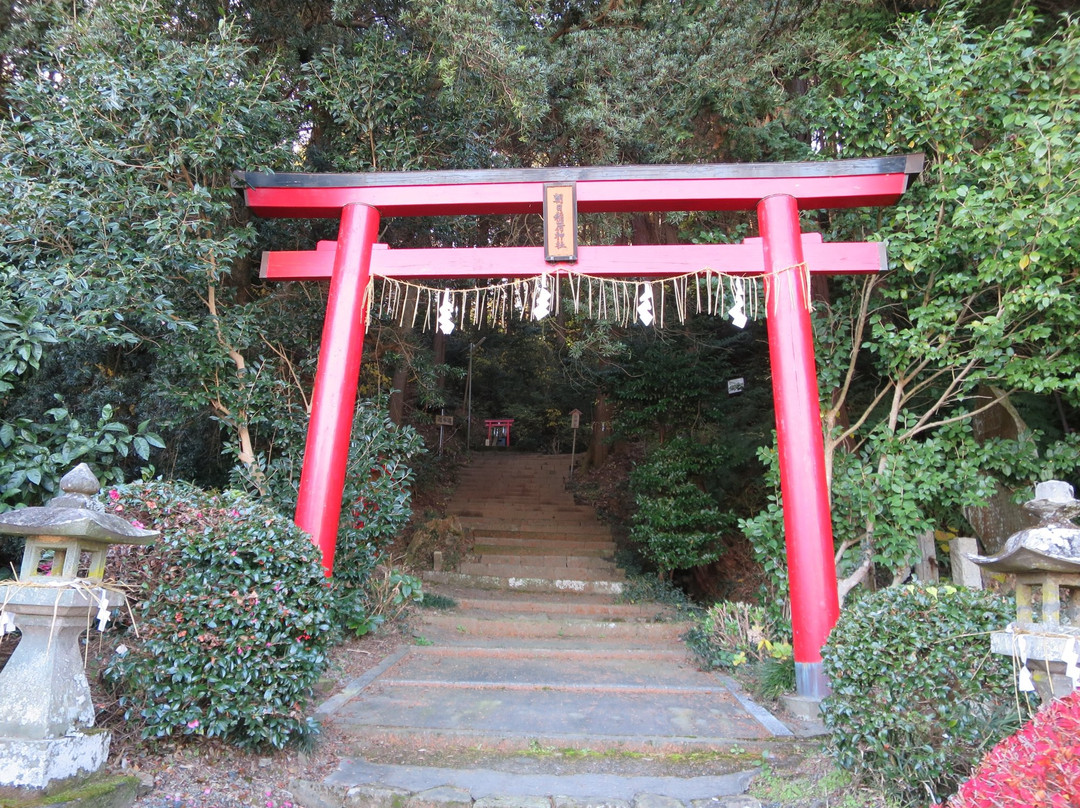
(783,255)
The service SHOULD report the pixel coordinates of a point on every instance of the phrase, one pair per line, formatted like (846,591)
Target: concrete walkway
(540,688)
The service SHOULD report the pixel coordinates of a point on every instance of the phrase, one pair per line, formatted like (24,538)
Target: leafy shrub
(234,617)
(678,523)
(917,695)
(386,595)
(377,504)
(731,634)
(1039,765)
(378,492)
(775,675)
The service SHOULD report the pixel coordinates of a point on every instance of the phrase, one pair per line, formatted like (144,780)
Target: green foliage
(376,506)
(917,695)
(432,600)
(122,226)
(386,596)
(378,489)
(888,492)
(640,588)
(653,82)
(775,675)
(675,382)
(678,524)
(979,305)
(35,455)
(732,633)
(119,166)
(987,224)
(234,618)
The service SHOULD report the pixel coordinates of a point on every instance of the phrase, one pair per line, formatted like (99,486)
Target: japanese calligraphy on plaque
(560,222)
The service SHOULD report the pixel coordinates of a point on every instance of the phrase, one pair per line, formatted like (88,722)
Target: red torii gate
(783,255)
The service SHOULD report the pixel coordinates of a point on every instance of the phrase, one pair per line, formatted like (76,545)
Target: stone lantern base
(39,763)
(1046,652)
(46,710)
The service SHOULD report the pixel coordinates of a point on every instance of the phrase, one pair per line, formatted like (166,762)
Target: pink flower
(114,494)
(193,724)
(136,523)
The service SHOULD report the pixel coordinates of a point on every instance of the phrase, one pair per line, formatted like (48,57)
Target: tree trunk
(601,432)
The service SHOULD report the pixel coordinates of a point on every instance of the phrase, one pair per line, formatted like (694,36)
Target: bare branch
(961,417)
(857,576)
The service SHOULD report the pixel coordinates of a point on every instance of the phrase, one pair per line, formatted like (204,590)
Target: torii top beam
(863,182)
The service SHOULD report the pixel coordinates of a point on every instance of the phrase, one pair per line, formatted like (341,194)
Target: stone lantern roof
(71,528)
(1051,546)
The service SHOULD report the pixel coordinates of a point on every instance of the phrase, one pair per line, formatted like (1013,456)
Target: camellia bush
(234,618)
(917,696)
(376,506)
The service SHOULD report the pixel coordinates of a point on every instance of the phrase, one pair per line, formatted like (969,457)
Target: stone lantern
(46,712)
(1045,637)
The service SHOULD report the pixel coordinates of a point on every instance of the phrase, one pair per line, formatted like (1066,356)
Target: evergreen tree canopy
(130,268)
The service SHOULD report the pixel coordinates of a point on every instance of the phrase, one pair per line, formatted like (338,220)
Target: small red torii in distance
(782,254)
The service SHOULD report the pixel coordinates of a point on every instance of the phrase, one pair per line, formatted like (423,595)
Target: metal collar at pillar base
(810,680)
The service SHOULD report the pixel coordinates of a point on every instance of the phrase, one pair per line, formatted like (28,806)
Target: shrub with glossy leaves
(234,618)
(917,695)
(730,634)
(678,523)
(1039,765)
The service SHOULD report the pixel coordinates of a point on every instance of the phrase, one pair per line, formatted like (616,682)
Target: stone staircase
(529,534)
(541,681)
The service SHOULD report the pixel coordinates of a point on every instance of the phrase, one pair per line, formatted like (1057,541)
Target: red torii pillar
(782,254)
(333,400)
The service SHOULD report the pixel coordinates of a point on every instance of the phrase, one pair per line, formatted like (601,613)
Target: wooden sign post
(575,422)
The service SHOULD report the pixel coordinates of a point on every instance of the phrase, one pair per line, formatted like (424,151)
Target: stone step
(557,562)
(541,538)
(486,570)
(543,547)
(554,602)
(567,642)
(524,517)
(513,509)
(605,668)
(478,623)
(471,713)
(511,480)
(386,785)
(537,657)
(579,607)
(524,584)
(534,529)
(537,509)
(514,481)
